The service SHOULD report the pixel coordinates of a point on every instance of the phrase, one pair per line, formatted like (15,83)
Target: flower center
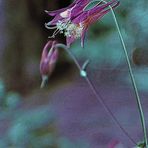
(74,30)
(70,29)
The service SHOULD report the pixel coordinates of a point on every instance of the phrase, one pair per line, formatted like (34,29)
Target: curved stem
(96,93)
(132,78)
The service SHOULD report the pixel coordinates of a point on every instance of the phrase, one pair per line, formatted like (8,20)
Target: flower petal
(55,12)
(45,50)
(78,2)
(48,59)
(55,20)
(87,15)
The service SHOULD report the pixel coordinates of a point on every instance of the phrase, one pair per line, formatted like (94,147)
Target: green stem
(96,93)
(132,78)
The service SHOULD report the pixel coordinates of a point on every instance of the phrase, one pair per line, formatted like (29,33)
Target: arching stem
(132,78)
(95,92)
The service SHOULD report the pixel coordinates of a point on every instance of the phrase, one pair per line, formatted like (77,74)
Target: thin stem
(96,93)
(132,78)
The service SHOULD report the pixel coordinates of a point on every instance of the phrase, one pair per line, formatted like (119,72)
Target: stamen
(54,33)
(61,25)
(50,37)
(49,27)
(67,27)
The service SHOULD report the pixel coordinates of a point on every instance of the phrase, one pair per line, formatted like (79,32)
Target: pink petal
(45,49)
(55,12)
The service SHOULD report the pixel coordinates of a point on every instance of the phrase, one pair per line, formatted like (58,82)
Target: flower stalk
(140,109)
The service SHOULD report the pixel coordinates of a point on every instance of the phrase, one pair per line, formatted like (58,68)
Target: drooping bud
(48,61)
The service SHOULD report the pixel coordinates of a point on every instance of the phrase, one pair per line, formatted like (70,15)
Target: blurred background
(66,114)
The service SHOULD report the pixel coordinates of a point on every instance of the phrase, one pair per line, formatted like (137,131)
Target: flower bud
(48,61)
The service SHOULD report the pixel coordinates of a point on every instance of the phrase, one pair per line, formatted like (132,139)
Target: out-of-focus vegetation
(33,128)
(22,37)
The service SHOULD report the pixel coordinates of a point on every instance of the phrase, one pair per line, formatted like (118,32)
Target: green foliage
(141,145)
(12,100)
(101,50)
(2,90)
(141,79)
(24,128)
(8,100)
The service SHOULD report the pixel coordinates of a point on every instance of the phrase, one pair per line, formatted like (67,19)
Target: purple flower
(48,60)
(74,20)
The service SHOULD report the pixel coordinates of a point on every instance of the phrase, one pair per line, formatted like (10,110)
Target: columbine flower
(74,21)
(48,60)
